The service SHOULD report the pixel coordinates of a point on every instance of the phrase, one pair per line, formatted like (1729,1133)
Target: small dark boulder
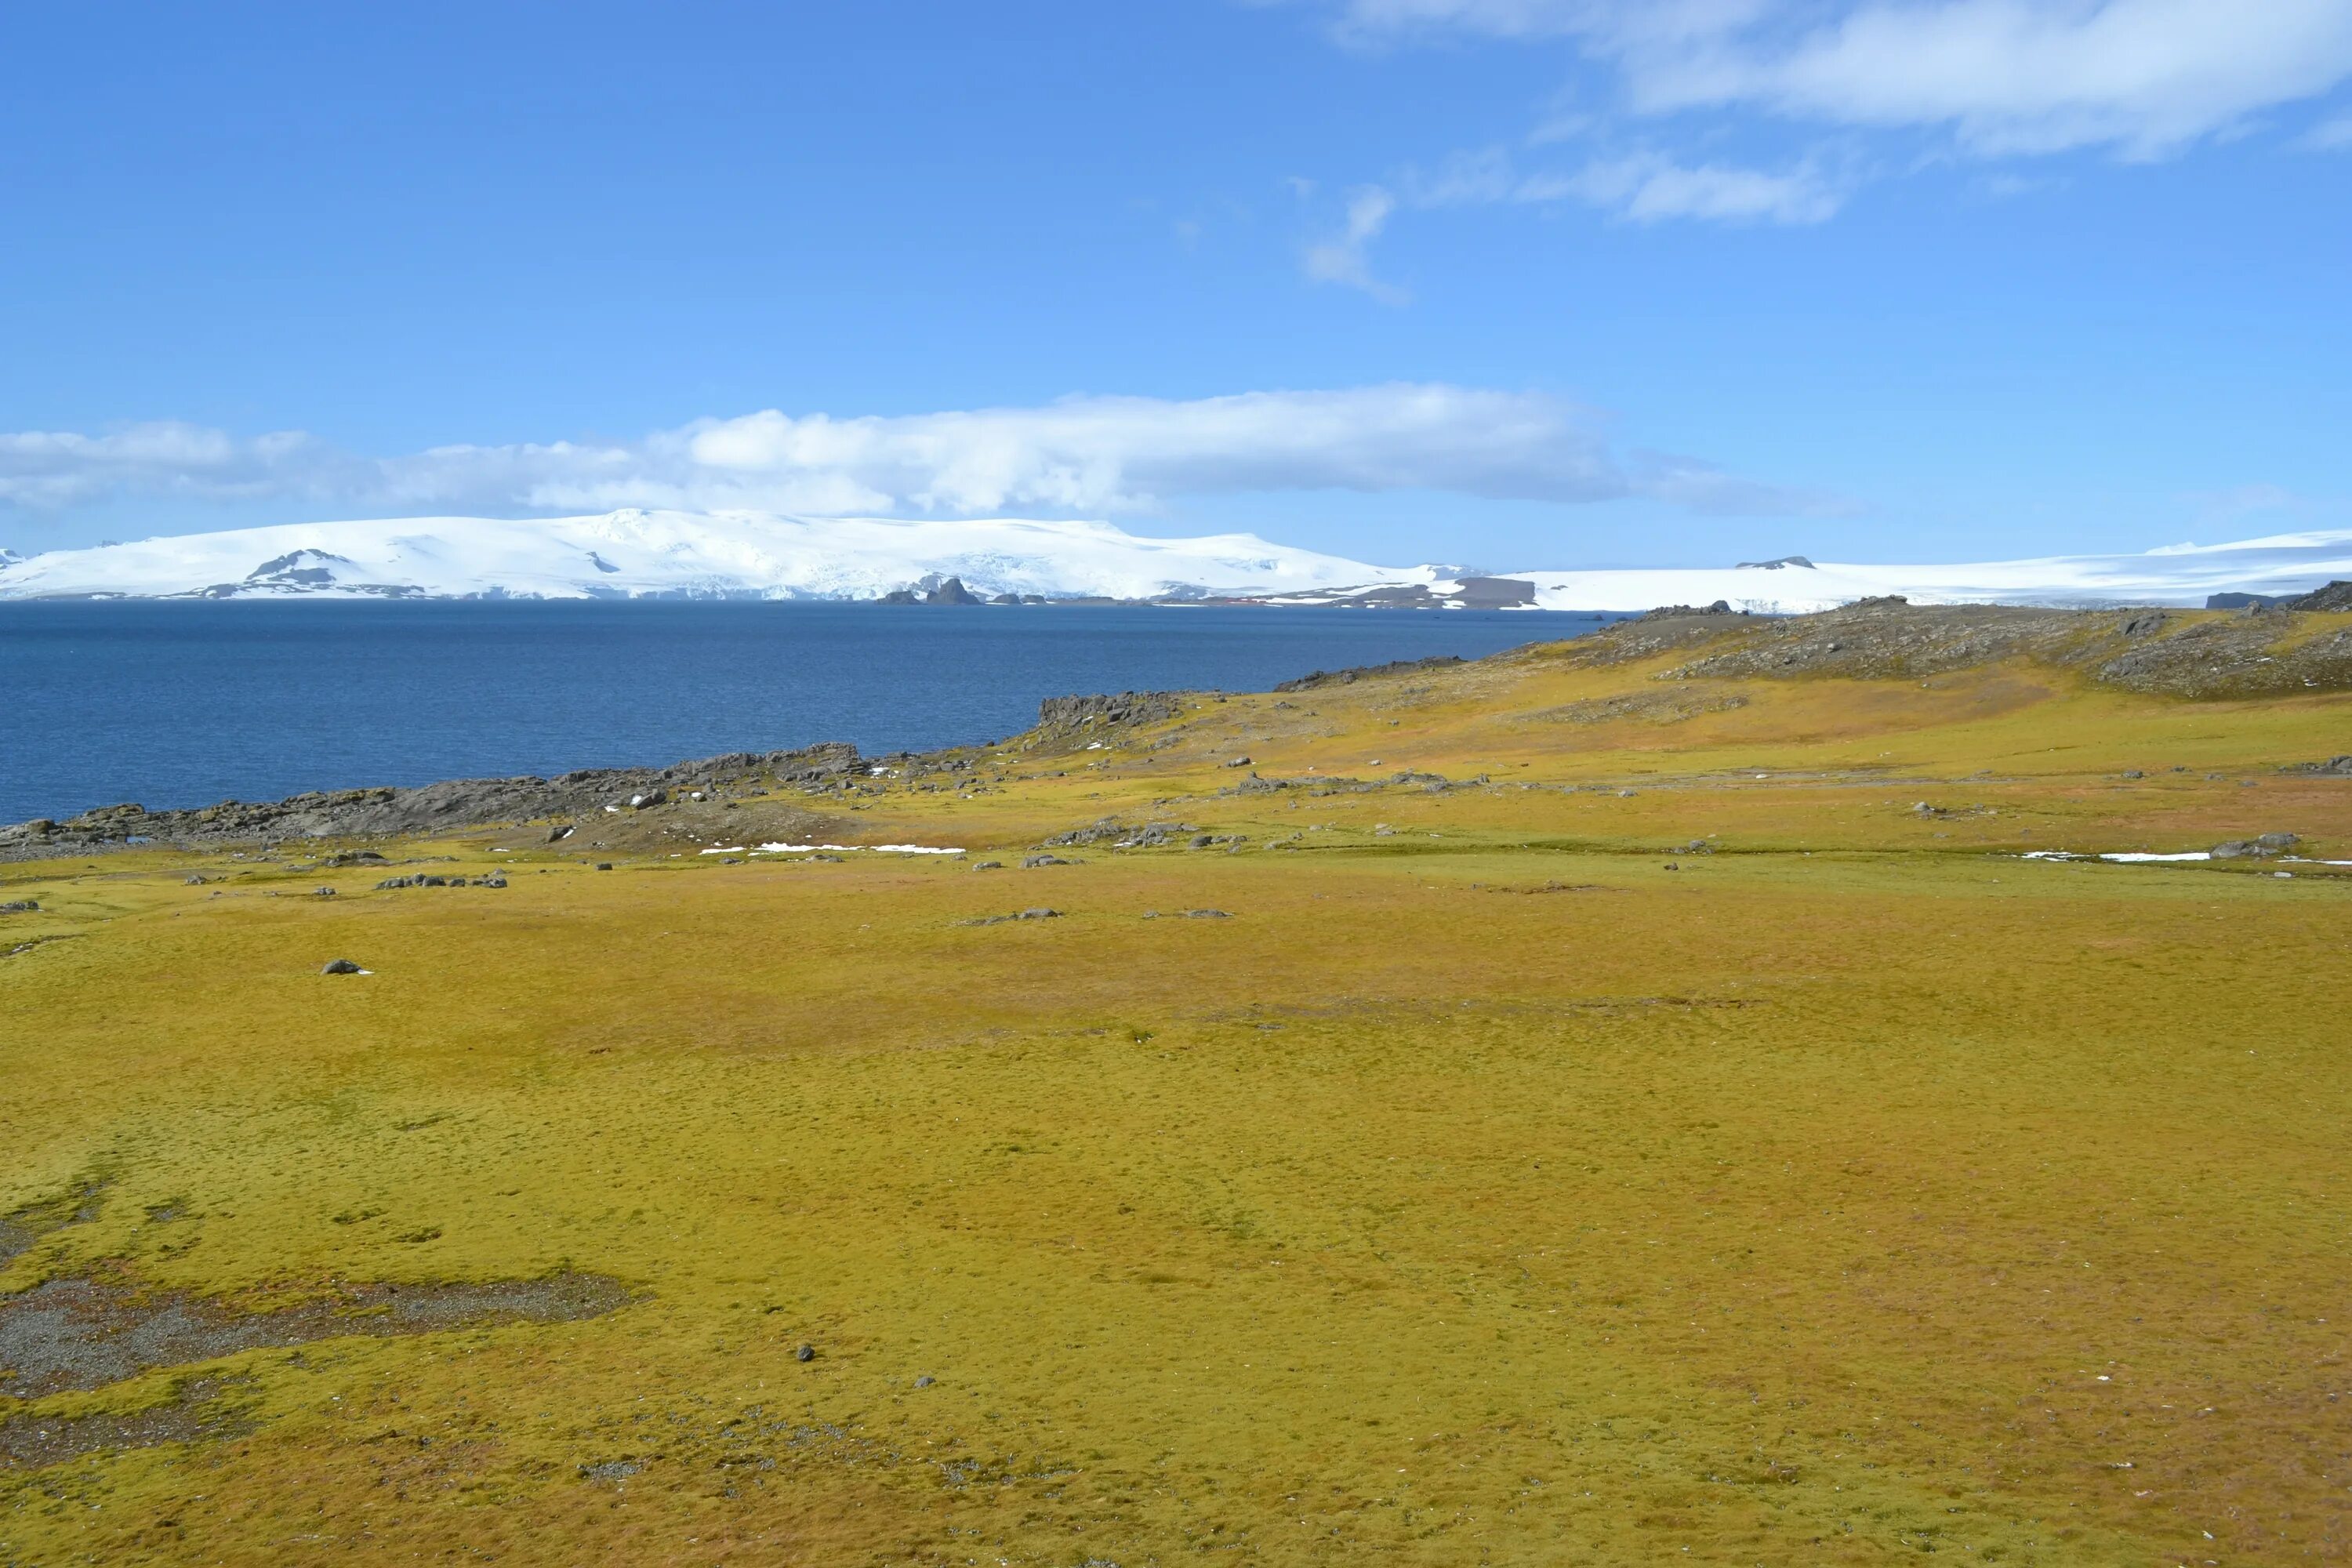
(341,966)
(20,907)
(806,1353)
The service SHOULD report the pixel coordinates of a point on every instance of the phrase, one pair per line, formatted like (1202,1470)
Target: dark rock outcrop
(1066,713)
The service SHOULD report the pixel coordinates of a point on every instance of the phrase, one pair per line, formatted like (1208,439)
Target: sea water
(176,704)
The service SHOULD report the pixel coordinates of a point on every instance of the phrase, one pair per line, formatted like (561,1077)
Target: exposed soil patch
(1650,708)
(85,1334)
(27,1226)
(195,1414)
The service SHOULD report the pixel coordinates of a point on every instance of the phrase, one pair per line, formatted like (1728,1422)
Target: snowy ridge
(2173,575)
(740,554)
(634,554)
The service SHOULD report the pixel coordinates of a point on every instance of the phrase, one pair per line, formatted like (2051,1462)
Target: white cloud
(1643,187)
(2144,78)
(1649,188)
(1082,455)
(1345,259)
(2330,135)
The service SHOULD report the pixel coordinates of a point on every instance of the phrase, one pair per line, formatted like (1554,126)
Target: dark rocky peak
(952,592)
(310,568)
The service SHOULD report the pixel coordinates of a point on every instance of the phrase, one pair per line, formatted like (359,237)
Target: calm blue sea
(180,704)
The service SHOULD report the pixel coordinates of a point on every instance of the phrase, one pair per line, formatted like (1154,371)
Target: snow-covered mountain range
(634,553)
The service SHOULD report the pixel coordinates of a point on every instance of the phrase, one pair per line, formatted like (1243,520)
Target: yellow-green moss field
(1477,1191)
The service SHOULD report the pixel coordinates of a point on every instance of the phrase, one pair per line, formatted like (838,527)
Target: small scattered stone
(21,907)
(341,966)
(988,866)
(1207,915)
(604,865)
(1034,861)
(1238,762)
(924,1381)
(806,1353)
(560,831)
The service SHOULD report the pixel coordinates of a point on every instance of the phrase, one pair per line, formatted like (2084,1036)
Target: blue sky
(1505,282)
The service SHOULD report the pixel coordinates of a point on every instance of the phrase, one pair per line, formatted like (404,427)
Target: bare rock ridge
(1349,676)
(2170,653)
(2336,596)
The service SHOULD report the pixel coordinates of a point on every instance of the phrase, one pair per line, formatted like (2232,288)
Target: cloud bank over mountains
(1093,455)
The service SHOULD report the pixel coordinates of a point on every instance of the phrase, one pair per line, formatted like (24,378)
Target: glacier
(639,553)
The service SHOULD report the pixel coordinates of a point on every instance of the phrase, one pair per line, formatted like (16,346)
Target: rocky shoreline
(427,808)
(2264,650)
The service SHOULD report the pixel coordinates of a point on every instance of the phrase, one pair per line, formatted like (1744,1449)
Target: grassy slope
(1479,1192)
